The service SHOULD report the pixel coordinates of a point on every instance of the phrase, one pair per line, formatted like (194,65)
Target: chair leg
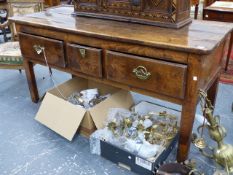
(232,107)
(196,11)
(4,35)
(50,71)
(20,71)
(70,2)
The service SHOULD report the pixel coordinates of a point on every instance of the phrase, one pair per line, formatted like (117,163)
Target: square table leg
(188,109)
(187,119)
(190,104)
(29,70)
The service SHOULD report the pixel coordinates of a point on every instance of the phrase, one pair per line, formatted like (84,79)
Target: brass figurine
(223,153)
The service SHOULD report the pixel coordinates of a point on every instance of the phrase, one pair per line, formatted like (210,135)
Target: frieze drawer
(149,74)
(33,47)
(85,60)
(217,15)
(210,15)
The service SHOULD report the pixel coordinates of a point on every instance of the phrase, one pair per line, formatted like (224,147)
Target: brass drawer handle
(82,52)
(39,49)
(141,73)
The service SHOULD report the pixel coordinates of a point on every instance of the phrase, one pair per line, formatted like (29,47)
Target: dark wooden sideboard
(165,63)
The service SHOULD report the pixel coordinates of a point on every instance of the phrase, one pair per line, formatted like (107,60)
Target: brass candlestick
(223,153)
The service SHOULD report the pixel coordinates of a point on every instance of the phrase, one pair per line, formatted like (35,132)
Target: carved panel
(155,12)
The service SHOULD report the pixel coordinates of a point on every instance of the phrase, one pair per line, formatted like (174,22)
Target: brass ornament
(200,143)
(223,153)
(39,49)
(112,126)
(157,128)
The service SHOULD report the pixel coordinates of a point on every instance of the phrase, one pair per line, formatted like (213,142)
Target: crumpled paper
(122,130)
(87,98)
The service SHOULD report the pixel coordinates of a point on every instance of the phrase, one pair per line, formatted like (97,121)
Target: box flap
(63,120)
(121,99)
(73,85)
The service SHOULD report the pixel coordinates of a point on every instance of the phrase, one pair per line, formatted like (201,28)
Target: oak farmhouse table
(169,64)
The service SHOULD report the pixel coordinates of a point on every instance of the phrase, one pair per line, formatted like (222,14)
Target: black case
(133,162)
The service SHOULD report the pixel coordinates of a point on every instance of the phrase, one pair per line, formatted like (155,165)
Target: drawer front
(148,74)
(218,16)
(54,50)
(85,60)
(212,16)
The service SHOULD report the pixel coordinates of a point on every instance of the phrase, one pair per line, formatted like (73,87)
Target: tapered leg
(4,34)
(229,52)
(50,71)
(188,109)
(188,115)
(29,70)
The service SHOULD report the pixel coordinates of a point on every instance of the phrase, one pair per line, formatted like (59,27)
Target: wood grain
(166,78)
(198,37)
(54,50)
(90,64)
(215,12)
(166,13)
(180,61)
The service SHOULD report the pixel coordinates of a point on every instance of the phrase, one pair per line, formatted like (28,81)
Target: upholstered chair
(10,54)
(196,4)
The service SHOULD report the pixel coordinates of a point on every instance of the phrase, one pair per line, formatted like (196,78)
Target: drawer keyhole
(39,49)
(82,52)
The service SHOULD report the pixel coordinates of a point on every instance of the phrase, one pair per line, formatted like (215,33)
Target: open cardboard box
(65,118)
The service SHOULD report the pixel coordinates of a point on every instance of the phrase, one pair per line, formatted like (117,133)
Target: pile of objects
(144,135)
(87,98)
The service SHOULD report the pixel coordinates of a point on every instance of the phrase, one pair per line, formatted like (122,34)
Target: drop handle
(141,73)
(39,49)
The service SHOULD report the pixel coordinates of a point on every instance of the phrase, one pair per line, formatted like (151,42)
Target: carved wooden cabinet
(167,13)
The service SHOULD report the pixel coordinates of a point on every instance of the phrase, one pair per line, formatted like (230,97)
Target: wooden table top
(199,37)
(221,6)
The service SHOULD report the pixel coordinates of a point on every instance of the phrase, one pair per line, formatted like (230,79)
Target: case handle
(141,73)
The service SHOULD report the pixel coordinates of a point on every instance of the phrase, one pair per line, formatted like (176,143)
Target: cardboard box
(134,162)
(65,118)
